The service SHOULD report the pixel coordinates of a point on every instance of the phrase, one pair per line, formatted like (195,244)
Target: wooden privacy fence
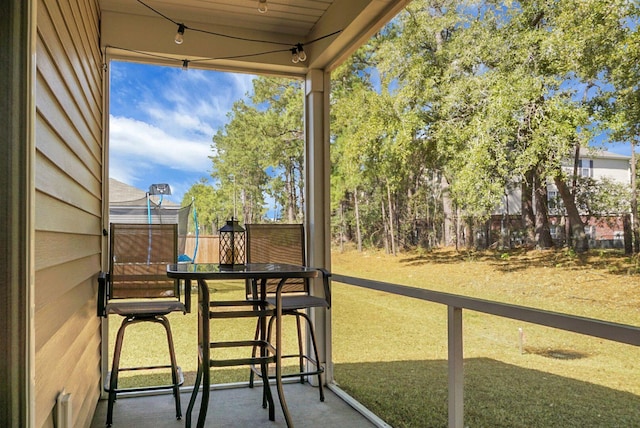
(207,248)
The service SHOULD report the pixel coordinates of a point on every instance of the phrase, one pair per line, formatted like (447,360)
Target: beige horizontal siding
(57,361)
(53,214)
(59,279)
(68,211)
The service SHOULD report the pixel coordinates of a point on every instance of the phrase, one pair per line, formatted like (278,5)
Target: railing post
(456,375)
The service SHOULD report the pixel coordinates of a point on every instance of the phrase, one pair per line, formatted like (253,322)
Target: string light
(301,54)
(179,35)
(297,52)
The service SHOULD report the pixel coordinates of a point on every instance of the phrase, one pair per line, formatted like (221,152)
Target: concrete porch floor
(235,407)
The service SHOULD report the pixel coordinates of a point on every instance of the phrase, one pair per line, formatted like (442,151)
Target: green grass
(390,352)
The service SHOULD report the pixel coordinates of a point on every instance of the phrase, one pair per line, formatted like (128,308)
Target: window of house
(585,168)
(590,231)
(552,201)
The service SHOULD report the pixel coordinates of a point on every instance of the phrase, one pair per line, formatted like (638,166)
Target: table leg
(204,351)
(194,394)
(267,398)
(283,402)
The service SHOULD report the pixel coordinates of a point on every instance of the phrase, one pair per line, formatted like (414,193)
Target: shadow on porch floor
(235,407)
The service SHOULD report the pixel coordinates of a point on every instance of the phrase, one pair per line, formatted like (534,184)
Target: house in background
(605,230)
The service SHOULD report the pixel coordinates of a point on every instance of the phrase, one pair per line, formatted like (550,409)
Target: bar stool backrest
(277,243)
(139,254)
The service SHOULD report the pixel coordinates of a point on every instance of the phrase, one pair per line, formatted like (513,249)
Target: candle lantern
(232,245)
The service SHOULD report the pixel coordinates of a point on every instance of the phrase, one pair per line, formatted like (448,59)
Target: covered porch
(54,174)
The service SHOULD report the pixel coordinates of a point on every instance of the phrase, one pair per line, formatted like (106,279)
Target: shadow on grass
(414,394)
(614,261)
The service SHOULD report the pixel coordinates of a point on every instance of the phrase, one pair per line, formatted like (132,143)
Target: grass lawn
(390,352)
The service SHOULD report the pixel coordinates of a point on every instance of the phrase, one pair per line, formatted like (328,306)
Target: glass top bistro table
(259,273)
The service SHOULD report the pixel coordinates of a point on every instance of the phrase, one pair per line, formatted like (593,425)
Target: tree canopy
(443,113)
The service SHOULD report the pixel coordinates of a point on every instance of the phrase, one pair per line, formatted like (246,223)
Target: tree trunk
(458,229)
(543,232)
(447,214)
(468,233)
(628,234)
(634,201)
(386,228)
(576,162)
(290,208)
(578,239)
(528,216)
(301,193)
(343,227)
(505,226)
(392,236)
(357,213)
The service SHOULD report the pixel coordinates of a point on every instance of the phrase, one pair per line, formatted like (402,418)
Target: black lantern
(232,245)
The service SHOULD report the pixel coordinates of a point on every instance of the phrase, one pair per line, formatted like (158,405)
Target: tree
(259,153)
(349,94)
(283,133)
(239,167)
(205,202)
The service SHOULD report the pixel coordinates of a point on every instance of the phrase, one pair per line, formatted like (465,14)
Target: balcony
(559,369)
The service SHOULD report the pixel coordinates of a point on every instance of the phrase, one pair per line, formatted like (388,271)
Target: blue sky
(162,120)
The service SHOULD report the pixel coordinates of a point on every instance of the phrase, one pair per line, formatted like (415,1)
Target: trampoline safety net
(138,212)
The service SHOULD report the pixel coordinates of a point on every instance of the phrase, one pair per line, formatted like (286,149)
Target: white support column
(317,197)
(456,374)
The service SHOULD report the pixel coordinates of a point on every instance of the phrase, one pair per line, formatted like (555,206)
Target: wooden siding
(68,207)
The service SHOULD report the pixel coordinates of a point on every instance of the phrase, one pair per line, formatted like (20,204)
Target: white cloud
(194,103)
(136,145)
(243,83)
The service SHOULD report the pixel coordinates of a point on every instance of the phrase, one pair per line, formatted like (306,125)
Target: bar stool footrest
(107,381)
(250,361)
(319,369)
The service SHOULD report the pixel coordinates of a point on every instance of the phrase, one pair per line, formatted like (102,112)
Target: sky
(162,120)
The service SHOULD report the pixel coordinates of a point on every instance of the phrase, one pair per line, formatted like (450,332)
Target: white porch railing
(591,327)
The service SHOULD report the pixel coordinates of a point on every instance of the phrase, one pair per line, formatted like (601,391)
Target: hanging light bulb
(294,55)
(301,55)
(262,6)
(185,64)
(179,35)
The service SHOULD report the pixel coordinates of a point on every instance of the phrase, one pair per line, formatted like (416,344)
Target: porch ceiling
(329,30)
